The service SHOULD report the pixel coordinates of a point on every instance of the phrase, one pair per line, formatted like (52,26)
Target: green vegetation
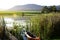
(43,25)
(49,9)
(46,25)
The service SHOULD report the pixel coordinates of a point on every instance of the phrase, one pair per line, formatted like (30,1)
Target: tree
(52,8)
(45,9)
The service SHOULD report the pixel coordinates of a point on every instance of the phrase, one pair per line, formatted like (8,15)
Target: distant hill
(27,7)
(58,7)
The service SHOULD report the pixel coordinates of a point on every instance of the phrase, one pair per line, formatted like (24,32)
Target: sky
(7,4)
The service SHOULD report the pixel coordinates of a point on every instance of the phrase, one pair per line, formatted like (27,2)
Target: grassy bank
(46,26)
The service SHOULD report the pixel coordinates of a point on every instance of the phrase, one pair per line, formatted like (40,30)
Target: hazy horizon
(7,4)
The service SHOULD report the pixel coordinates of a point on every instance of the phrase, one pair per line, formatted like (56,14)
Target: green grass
(42,24)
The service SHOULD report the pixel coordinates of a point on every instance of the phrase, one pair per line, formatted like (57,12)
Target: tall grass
(45,25)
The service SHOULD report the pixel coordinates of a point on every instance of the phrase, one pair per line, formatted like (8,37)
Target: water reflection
(20,23)
(11,21)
